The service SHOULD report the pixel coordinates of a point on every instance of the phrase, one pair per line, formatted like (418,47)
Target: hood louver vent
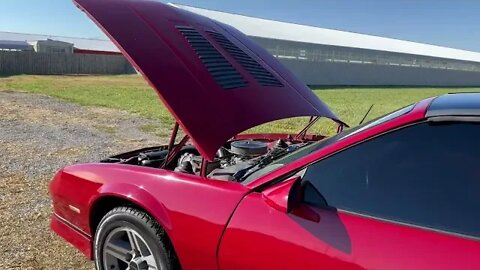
(220,69)
(263,76)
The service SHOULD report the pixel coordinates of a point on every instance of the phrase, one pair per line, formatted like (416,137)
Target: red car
(400,192)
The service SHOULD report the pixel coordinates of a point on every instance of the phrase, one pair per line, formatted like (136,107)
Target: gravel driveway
(39,135)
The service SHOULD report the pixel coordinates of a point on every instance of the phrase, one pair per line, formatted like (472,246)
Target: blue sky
(441,22)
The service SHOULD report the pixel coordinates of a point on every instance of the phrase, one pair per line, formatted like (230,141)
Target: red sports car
(400,192)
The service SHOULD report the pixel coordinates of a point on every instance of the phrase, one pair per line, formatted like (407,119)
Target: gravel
(38,136)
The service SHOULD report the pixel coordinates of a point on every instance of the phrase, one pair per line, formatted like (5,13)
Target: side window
(427,174)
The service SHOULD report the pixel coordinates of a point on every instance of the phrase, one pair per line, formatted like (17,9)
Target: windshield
(310,148)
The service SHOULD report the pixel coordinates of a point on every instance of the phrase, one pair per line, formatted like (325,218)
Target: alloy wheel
(125,249)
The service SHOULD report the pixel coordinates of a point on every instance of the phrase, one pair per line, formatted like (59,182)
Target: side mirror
(285,196)
(288,197)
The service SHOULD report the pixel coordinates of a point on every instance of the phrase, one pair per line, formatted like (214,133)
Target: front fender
(193,210)
(135,194)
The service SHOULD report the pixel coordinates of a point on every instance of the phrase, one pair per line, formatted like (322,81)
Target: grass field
(132,94)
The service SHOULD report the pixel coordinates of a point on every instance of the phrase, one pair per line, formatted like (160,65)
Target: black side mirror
(311,195)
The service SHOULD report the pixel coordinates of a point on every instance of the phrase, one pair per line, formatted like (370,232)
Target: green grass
(132,94)
(155,130)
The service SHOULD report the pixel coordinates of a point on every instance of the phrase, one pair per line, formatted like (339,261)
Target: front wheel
(129,239)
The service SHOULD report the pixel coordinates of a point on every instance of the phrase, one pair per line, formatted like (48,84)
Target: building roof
(80,43)
(15,45)
(263,28)
(302,33)
(51,41)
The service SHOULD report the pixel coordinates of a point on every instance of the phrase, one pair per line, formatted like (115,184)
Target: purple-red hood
(213,79)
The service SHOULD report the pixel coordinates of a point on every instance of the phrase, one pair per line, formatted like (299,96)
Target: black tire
(140,222)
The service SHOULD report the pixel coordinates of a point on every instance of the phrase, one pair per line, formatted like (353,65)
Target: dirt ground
(39,135)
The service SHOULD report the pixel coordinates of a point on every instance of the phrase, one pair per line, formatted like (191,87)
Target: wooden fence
(14,63)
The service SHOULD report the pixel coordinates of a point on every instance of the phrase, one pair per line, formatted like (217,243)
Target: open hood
(214,80)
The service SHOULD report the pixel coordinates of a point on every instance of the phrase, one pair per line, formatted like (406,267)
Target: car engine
(231,163)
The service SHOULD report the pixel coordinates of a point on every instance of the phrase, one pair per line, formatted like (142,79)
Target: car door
(408,199)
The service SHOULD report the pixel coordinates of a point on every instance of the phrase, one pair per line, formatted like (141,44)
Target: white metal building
(80,43)
(15,46)
(322,56)
(51,46)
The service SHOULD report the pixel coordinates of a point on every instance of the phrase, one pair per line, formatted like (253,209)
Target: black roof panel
(460,104)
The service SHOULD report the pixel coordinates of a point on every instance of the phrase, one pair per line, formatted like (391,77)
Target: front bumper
(72,234)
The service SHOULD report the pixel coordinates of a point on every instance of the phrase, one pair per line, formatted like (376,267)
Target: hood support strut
(173,137)
(313,119)
(173,149)
(311,122)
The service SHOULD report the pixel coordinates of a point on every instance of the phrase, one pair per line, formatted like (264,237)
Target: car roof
(455,104)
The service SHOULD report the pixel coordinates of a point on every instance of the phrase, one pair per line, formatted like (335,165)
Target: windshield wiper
(269,158)
(266,160)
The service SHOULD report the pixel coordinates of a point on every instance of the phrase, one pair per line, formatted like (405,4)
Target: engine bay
(235,160)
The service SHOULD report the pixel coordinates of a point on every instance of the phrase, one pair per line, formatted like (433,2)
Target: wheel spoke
(117,252)
(152,265)
(132,238)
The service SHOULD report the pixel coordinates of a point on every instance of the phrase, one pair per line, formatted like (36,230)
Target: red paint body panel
(192,210)
(72,235)
(146,33)
(337,241)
